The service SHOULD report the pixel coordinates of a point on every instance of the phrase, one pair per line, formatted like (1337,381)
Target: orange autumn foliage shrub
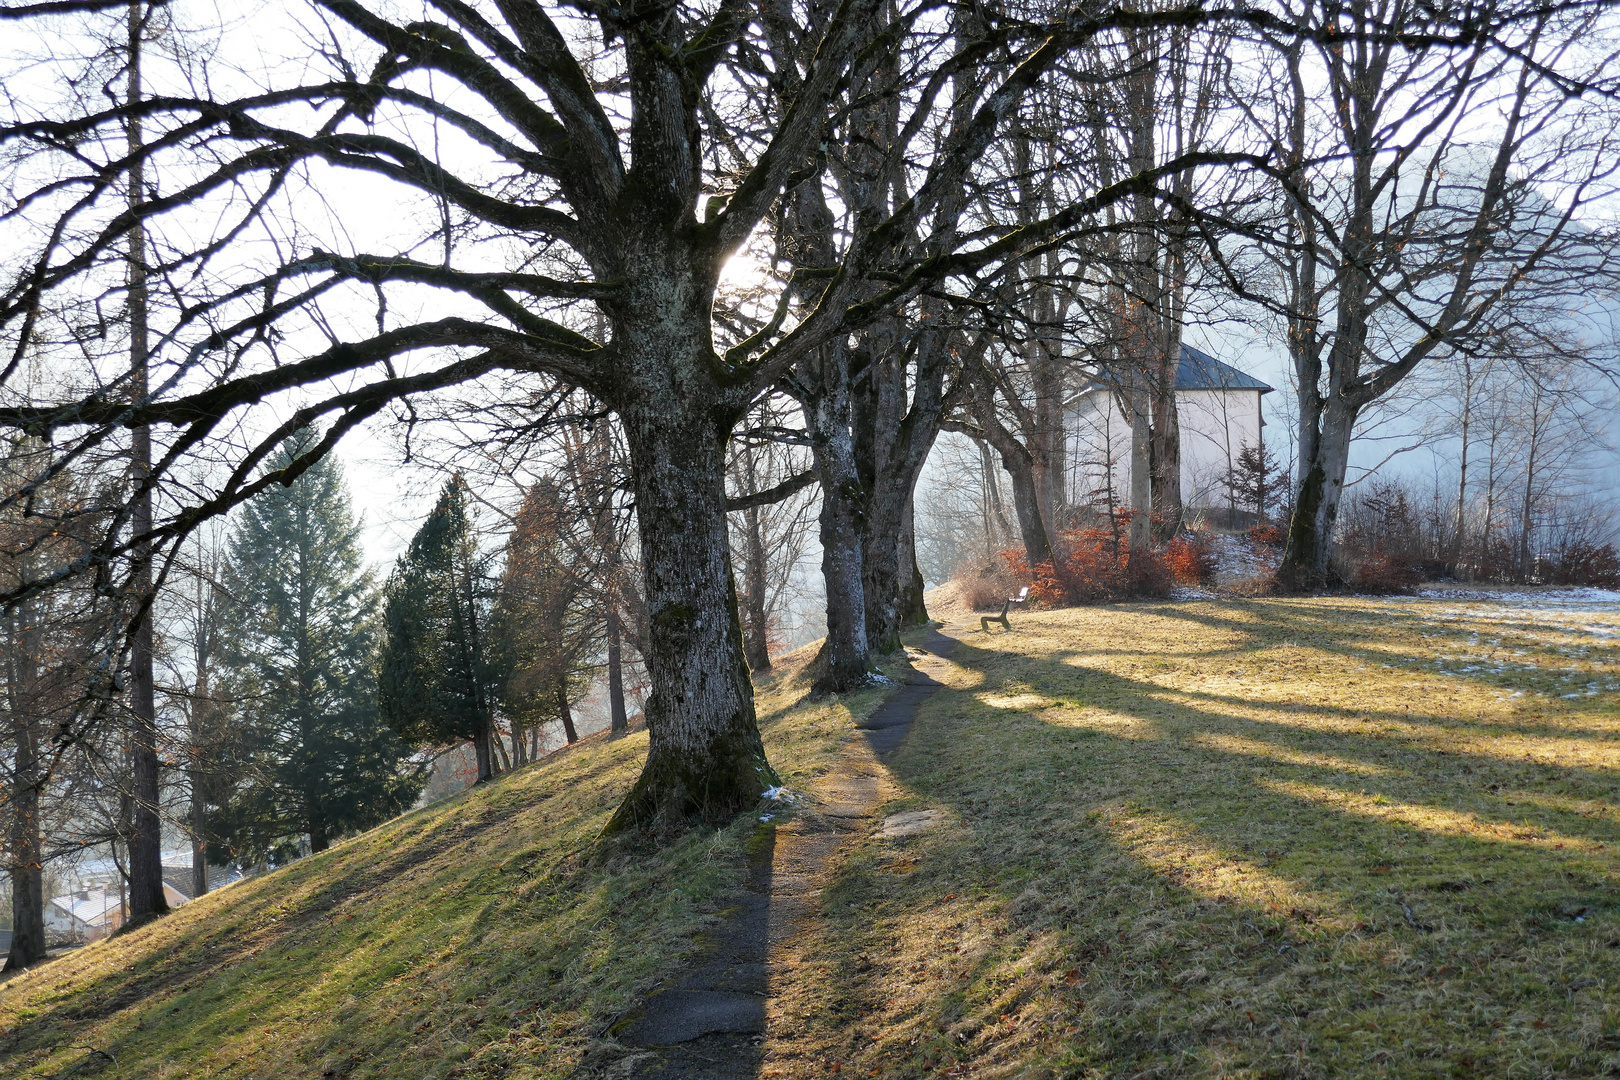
(1267,535)
(1191,559)
(1094,566)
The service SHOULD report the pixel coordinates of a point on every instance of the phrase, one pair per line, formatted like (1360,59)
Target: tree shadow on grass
(482,935)
(1143,881)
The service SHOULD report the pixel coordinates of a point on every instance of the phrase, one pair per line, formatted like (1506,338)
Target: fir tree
(299,649)
(1255,479)
(438,678)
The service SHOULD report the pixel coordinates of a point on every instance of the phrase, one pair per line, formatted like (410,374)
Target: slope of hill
(1335,837)
(1329,837)
(484,935)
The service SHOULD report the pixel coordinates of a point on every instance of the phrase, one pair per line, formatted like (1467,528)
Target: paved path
(711,1021)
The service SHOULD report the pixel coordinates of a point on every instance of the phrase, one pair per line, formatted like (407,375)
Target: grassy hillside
(1269,838)
(1282,838)
(482,936)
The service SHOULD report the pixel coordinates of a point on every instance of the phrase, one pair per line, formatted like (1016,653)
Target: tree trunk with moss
(705,759)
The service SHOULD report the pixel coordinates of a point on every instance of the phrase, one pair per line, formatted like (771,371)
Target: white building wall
(1215,426)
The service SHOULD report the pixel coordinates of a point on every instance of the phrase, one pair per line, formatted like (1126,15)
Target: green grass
(1268,838)
(488,935)
(1240,839)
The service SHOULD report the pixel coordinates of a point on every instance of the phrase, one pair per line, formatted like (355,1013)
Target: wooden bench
(986,620)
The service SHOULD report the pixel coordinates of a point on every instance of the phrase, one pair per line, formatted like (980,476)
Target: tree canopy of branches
(1413,229)
(44,668)
(581,177)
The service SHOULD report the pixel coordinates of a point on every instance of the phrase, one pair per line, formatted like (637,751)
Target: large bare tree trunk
(201,707)
(1049,440)
(26,871)
(199,850)
(620,722)
(845,654)
(913,608)
(704,755)
(756,641)
(1460,518)
(896,434)
(756,629)
(1141,494)
(483,755)
(565,713)
(1165,454)
(1305,562)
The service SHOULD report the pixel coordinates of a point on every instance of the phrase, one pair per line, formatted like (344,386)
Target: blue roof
(1201,371)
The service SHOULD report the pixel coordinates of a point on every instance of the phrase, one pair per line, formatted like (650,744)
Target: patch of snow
(1237,558)
(1191,593)
(1544,599)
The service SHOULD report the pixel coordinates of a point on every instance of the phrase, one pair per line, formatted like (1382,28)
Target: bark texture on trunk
(1141,494)
(483,755)
(1306,562)
(27,860)
(704,756)
(27,914)
(756,639)
(897,418)
(1460,519)
(565,713)
(845,654)
(1015,460)
(615,672)
(199,855)
(913,608)
(1165,450)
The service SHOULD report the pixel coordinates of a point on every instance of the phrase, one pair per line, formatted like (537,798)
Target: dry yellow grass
(488,935)
(1269,838)
(1272,838)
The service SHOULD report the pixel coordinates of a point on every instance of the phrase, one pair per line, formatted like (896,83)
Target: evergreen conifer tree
(438,676)
(299,650)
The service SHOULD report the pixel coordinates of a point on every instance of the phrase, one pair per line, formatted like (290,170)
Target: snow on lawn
(1580,599)
(1239,559)
(1552,642)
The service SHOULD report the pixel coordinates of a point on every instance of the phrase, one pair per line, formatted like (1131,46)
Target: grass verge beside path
(486,935)
(1271,838)
(1279,838)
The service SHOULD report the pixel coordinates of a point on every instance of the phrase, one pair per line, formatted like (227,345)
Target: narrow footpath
(711,1023)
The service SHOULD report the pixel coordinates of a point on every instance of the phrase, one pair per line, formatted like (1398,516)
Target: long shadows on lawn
(1220,840)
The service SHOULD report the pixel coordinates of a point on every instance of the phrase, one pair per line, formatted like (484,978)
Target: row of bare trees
(772,247)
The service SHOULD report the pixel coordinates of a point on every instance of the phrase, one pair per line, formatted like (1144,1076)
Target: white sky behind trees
(235,48)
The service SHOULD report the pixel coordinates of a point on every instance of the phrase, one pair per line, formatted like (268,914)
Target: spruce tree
(299,650)
(438,676)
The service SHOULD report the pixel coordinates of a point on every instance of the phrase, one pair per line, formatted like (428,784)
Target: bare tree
(770,524)
(606,162)
(1408,221)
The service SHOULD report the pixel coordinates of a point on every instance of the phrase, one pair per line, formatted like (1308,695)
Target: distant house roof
(1200,371)
(1197,371)
(90,907)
